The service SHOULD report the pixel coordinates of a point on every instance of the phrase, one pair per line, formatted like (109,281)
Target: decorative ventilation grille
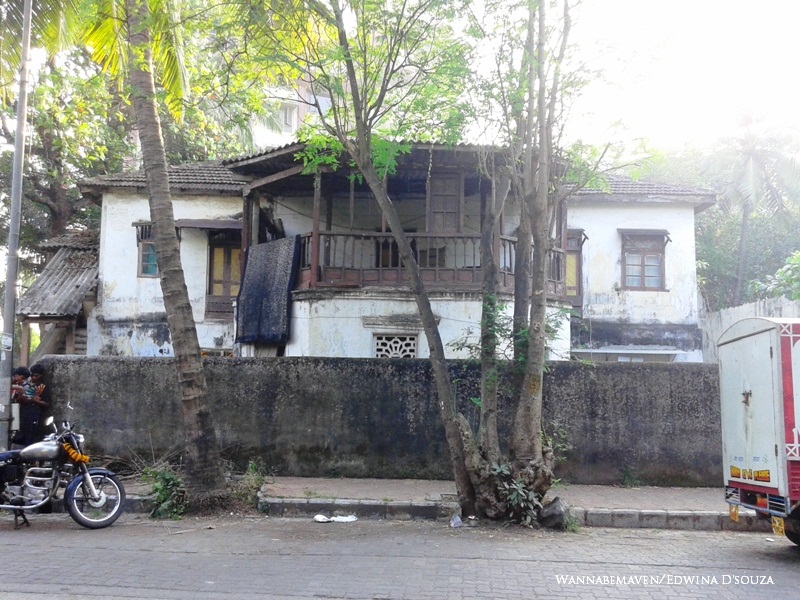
(395,346)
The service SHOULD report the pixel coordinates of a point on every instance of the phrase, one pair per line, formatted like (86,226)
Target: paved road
(293,559)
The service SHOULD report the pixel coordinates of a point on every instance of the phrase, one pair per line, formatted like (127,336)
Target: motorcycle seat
(9,455)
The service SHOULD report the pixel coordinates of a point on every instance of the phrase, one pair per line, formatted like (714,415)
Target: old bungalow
(322,274)
(282,262)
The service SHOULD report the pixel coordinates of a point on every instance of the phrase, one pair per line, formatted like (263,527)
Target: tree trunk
(522,279)
(526,434)
(526,442)
(204,475)
(456,430)
(492,207)
(524,190)
(741,260)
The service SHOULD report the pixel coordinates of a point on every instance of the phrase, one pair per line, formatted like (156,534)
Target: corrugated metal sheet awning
(60,289)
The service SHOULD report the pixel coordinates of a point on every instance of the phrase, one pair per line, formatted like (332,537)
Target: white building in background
(350,295)
(631,271)
(292,109)
(323,274)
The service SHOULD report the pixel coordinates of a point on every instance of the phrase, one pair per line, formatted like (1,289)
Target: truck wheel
(792,537)
(791,527)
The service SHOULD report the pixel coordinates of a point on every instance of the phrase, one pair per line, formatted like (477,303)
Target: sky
(684,73)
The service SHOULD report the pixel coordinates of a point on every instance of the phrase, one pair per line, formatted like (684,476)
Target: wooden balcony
(446,261)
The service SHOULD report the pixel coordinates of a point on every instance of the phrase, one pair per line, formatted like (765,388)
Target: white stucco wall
(128,303)
(339,326)
(603,296)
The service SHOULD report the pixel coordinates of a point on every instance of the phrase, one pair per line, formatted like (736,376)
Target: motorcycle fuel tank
(41,451)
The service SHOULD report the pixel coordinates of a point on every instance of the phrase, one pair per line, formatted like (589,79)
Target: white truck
(759,379)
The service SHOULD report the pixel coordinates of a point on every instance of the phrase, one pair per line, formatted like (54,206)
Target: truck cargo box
(759,368)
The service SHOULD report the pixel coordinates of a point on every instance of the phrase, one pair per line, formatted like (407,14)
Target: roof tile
(200,176)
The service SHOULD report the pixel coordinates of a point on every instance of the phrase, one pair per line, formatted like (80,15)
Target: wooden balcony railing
(445,261)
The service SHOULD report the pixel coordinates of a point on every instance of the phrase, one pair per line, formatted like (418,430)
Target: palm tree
(55,25)
(124,38)
(756,172)
(203,467)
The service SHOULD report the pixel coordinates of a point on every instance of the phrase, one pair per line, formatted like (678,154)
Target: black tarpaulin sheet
(263,306)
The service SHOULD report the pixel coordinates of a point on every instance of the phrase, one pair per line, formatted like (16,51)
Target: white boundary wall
(714,324)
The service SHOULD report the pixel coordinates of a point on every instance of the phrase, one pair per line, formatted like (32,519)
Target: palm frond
(106,38)
(166,34)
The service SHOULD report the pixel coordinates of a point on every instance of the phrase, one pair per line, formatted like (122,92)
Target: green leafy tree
(526,94)
(55,26)
(400,71)
(379,63)
(772,238)
(785,281)
(755,172)
(73,135)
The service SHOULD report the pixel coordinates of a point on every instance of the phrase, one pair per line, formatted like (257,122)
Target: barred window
(395,346)
(148,265)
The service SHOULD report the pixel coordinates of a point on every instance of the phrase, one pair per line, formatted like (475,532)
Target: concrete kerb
(586,517)
(363,509)
(692,520)
(305,508)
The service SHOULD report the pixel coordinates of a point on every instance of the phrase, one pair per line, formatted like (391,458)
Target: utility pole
(12,268)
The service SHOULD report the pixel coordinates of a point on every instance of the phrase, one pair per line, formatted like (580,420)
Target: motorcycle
(34,476)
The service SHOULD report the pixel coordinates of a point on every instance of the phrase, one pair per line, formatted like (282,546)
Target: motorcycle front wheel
(95,514)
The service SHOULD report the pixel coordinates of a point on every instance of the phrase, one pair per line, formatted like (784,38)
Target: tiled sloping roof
(622,186)
(260,154)
(267,154)
(87,239)
(62,285)
(200,176)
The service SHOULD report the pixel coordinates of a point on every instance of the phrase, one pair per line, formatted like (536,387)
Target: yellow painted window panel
(571,275)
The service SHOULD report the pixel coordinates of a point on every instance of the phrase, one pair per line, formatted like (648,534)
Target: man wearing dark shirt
(33,397)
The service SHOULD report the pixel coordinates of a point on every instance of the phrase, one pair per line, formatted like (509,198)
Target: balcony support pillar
(315,230)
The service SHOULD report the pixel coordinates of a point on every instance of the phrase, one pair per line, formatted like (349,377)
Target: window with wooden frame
(148,265)
(445,200)
(224,274)
(573,274)
(643,259)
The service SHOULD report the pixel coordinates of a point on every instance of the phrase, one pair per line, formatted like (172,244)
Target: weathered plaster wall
(603,298)
(344,324)
(129,318)
(379,418)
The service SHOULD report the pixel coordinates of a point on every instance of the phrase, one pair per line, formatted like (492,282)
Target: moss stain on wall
(380,418)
